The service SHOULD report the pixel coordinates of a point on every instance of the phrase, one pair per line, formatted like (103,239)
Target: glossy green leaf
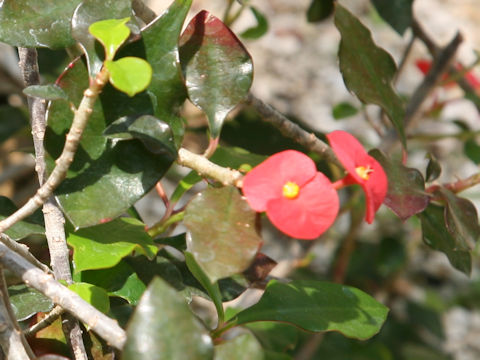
(436,235)
(129,74)
(319,10)
(103,246)
(26,301)
(274,335)
(398,13)
(120,280)
(118,173)
(37,23)
(47,92)
(461,220)
(11,120)
(155,134)
(260,29)
(32,225)
(160,45)
(433,168)
(318,306)
(241,347)
(343,110)
(164,328)
(406,194)
(212,288)
(218,69)
(111,33)
(222,235)
(92,294)
(90,11)
(367,69)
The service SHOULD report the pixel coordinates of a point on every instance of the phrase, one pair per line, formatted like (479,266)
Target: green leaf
(129,74)
(221,225)
(319,10)
(111,33)
(318,306)
(26,301)
(436,235)
(92,294)
(37,23)
(433,168)
(118,173)
(164,328)
(241,347)
(367,69)
(32,225)
(47,92)
(11,121)
(275,336)
(103,246)
(343,110)
(472,150)
(406,194)
(155,134)
(218,69)
(120,280)
(90,11)
(398,13)
(212,289)
(160,45)
(260,29)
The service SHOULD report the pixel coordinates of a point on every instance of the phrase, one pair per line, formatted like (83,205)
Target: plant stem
(164,224)
(53,315)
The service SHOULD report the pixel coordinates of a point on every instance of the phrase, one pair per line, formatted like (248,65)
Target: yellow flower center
(364,172)
(290,190)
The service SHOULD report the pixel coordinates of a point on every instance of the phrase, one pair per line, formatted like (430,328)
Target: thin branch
(143,12)
(105,327)
(459,185)
(292,130)
(22,250)
(48,320)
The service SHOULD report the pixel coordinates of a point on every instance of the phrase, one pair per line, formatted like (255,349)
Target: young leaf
(398,13)
(103,246)
(218,69)
(111,33)
(26,301)
(47,92)
(164,328)
(343,110)
(318,306)
(129,74)
(406,188)
(260,29)
(433,168)
(367,69)
(92,294)
(241,347)
(222,235)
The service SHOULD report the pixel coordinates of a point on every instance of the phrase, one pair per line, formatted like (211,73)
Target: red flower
(425,65)
(299,200)
(362,169)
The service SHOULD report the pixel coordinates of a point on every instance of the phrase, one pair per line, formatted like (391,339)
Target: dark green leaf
(111,33)
(318,306)
(163,327)
(218,69)
(11,120)
(274,335)
(319,10)
(32,225)
(436,235)
(47,92)
(406,194)
(241,347)
(179,241)
(236,158)
(105,178)
(37,23)
(90,11)
(433,168)
(129,74)
(155,134)
(398,13)
(343,110)
(103,246)
(472,150)
(367,69)
(26,301)
(92,294)
(223,239)
(260,29)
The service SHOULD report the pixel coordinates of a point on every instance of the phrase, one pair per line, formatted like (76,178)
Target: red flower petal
(266,181)
(308,215)
(375,189)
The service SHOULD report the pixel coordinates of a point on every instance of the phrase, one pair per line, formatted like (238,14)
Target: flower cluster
(302,202)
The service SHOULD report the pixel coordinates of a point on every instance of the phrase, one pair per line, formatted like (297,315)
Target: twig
(143,11)
(22,250)
(459,185)
(405,55)
(105,327)
(48,320)
(292,130)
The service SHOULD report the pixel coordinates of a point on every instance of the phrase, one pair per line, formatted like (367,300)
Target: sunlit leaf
(92,294)
(318,306)
(218,69)
(129,74)
(223,239)
(367,69)
(398,13)
(260,29)
(112,33)
(164,328)
(47,92)
(241,347)
(26,301)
